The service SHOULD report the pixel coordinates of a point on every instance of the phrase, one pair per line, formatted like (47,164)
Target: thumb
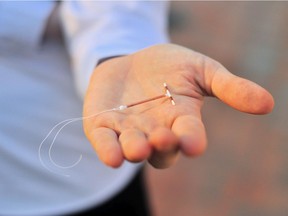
(241,94)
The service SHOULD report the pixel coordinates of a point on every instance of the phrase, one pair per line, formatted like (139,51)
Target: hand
(157,130)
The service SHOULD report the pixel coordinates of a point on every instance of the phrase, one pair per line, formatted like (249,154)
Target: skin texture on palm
(157,131)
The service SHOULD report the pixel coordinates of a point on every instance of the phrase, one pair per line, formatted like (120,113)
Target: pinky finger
(107,147)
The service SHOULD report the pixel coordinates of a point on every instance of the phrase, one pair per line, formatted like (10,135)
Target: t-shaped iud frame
(167,94)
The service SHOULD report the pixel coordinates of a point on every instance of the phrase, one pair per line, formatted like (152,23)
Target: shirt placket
(23,23)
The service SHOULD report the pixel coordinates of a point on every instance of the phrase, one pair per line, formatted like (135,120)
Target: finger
(165,148)
(191,133)
(134,145)
(240,93)
(107,147)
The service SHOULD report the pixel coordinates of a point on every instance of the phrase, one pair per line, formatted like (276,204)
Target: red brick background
(245,169)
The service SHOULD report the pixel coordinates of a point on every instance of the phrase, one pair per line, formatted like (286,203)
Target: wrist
(106,59)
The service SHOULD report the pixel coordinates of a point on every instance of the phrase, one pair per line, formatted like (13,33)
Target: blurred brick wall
(245,169)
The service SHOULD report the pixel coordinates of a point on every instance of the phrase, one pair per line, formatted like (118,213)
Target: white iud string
(64,123)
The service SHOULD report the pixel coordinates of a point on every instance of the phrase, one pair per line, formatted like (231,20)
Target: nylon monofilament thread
(52,144)
(66,122)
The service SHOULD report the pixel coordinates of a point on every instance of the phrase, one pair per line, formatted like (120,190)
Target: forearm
(96,30)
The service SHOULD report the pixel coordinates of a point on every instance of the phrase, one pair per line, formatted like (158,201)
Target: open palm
(157,130)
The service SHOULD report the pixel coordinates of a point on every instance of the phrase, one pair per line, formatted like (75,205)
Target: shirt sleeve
(98,29)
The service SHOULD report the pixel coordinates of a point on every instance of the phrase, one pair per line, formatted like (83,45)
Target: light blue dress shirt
(39,83)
